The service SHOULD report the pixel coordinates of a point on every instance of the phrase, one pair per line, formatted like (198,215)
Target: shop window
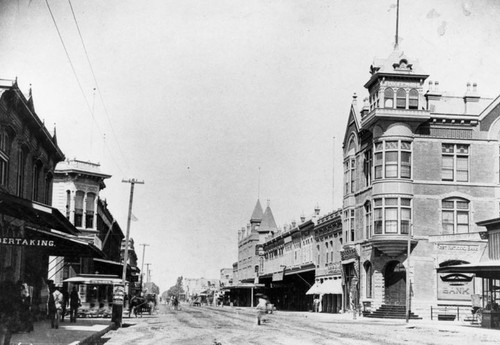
(388,98)
(455,162)
(455,216)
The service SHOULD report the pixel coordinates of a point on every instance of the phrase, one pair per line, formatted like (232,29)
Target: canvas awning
(486,269)
(53,243)
(331,286)
(35,213)
(95,279)
(313,290)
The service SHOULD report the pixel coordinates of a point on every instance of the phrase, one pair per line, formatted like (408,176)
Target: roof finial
(397,25)
(258,191)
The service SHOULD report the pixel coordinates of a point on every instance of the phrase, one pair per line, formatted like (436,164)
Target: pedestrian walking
(54,305)
(25,317)
(65,303)
(74,304)
(261,308)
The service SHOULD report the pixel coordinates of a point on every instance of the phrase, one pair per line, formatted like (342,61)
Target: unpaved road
(225,326)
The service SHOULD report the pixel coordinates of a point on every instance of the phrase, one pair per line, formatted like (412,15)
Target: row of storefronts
(421,174)
(41,243)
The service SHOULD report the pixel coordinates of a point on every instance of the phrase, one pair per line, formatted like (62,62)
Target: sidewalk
(84,331)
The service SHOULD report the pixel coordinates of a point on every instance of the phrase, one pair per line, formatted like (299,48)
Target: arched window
(369,279)
(401,99)
(21,165)
(49,177)
(4,156)
(413,99)
(388,98)
(455,215)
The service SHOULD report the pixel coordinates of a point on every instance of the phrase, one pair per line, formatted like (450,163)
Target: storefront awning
(35,213)
(95,279)
(331,286)
(487,269)
(56,244)
(314,289)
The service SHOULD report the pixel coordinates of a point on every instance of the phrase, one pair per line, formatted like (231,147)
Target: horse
(138,304)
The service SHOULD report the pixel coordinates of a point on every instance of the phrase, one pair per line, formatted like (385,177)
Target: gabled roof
(257,213)
(353,119)
(268,223)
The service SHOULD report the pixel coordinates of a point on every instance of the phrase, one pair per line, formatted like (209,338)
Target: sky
(217,103)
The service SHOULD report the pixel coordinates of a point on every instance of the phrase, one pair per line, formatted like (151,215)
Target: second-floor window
(392,215)
(455,216)
(79,208)
(367,167)
(392,159)
(368,219)
(349,175)
(455,162)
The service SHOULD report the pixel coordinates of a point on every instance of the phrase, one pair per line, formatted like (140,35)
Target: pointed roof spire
(30,100)
(396,42)
(257,213)
(268,223)
(54,137)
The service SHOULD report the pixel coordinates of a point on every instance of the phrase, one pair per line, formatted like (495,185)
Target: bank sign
(16,241)
(455,286)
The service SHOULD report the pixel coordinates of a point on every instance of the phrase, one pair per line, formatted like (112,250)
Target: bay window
(392,215)
(392,159)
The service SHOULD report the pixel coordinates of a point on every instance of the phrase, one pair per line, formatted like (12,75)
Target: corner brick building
(418,163)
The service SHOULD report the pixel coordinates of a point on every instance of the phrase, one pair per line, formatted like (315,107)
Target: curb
(92,338)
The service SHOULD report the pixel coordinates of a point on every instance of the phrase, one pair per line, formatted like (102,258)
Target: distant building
(226,276)
(196,286)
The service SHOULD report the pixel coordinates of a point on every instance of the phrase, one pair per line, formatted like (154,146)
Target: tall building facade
(421,167)
(77,185)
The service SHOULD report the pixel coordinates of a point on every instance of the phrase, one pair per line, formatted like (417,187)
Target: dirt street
(238,326)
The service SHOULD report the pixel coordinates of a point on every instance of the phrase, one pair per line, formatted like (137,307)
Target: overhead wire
(78,81)
(95,81)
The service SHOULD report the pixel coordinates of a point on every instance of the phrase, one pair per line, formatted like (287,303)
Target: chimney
(433,96)
(302,218)
(316,210)
(366,107)
(294,224)
(471,100)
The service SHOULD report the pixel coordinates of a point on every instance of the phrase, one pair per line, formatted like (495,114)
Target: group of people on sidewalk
(16,315)
(58,303)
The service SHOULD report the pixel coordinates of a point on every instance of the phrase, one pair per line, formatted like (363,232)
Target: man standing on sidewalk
(54,305)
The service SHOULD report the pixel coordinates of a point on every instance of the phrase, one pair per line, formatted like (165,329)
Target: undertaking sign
(16,241)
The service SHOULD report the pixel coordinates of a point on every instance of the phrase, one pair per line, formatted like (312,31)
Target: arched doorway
(395,283)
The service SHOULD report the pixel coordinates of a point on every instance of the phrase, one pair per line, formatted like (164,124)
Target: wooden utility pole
(132,182)
(144,245)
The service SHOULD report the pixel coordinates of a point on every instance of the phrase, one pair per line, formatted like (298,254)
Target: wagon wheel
(479,315)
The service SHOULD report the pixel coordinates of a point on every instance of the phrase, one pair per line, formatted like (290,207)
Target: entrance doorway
(395,283)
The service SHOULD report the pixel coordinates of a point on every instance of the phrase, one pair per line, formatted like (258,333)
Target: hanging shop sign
(349,253)
(16,241)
